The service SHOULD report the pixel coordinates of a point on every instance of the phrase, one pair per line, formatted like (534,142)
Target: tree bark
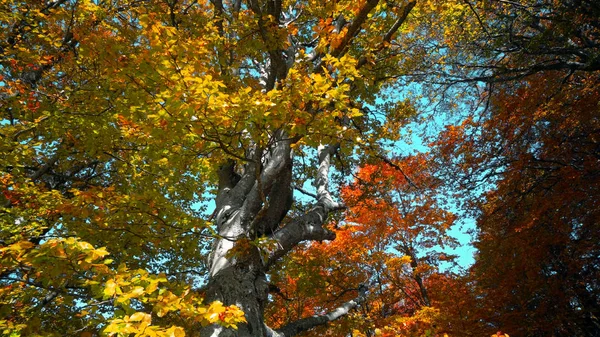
(244,284)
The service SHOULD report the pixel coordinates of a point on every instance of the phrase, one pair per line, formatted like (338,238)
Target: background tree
(527,161)
(538,229)
(508,40)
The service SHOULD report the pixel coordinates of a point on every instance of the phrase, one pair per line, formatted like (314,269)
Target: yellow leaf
(136,292)
(113,327)
(19,246)
(150,288)
(175,331)
(110,288)
(161,310)
(141,317)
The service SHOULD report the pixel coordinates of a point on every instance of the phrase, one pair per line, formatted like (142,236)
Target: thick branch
(234,188)
(307,227)
(322,182)
(352,31)
(276,162)
(219,15)
(280,201)
(354,28)
(310,225)
(277,65)
(414,263)
(241,210)
(228,178)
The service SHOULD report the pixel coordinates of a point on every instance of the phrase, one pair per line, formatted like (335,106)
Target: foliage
(544,213)
(122,120)
(526,166)
(503,41)
(386,243)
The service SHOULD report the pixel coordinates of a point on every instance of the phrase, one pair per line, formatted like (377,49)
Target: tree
(538,228)
(389,242)
(527,163)
(122,119)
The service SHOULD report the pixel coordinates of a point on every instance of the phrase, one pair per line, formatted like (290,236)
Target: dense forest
(299,168)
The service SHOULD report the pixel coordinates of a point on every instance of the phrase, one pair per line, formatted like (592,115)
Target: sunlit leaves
(59,262)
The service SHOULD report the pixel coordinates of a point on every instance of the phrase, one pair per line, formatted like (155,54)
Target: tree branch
(277,65)
(276,160)
(354,28)
(309,226)
(352,31)
(38,174)
(399,169)
(305,192)
(390,33)
(294,328)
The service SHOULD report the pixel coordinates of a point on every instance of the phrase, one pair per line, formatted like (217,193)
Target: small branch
(399,169)
(305,192)
(516,4)
(273,289)
(44,169)
(39,173)
(483,26)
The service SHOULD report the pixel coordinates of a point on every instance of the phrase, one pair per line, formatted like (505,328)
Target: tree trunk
(245,285)
(250,206)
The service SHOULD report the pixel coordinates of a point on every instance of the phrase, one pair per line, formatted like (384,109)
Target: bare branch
(305,192)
